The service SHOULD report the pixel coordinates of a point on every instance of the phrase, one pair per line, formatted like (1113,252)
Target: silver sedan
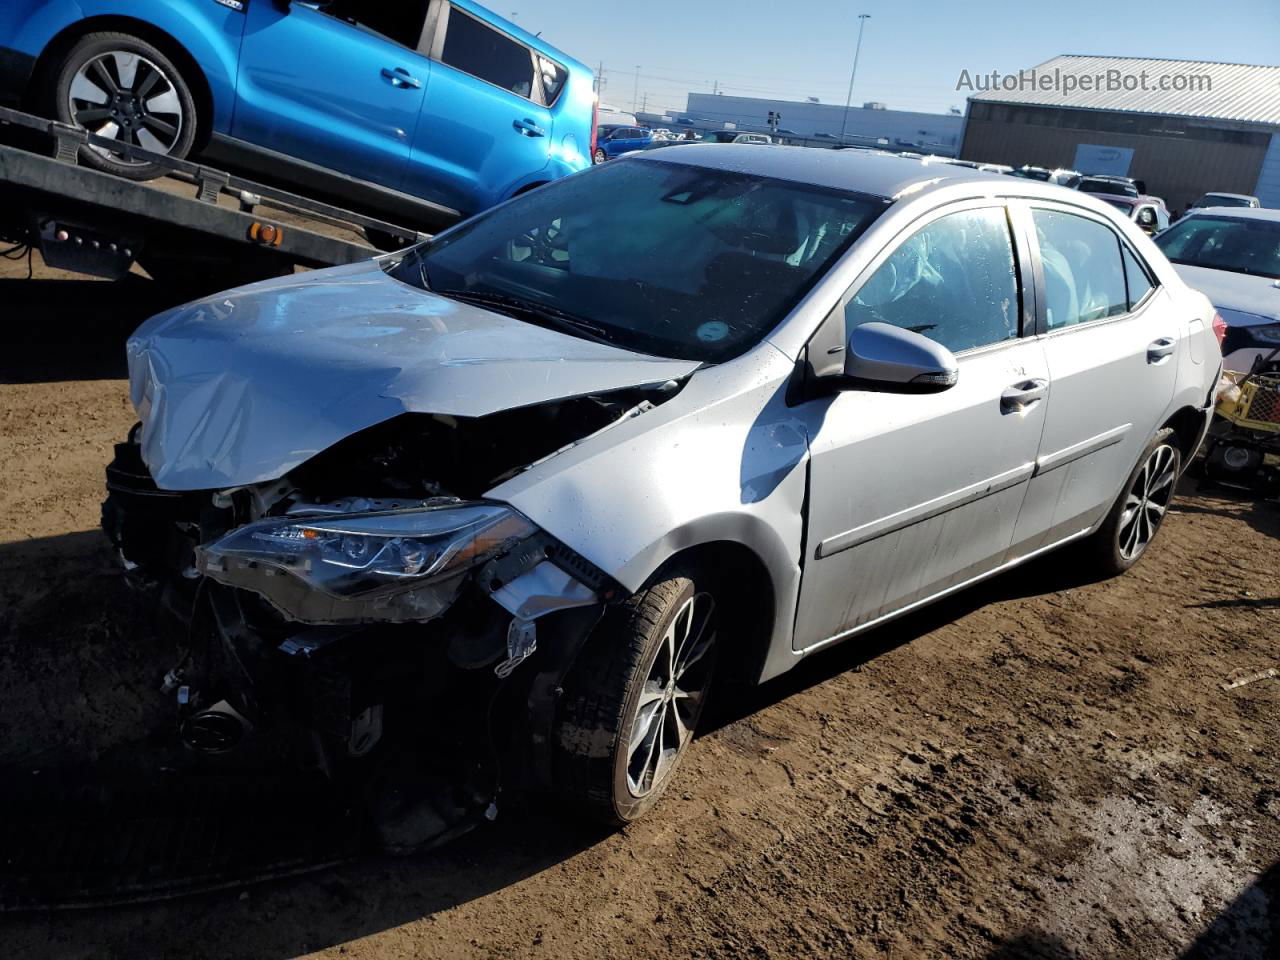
(691,416)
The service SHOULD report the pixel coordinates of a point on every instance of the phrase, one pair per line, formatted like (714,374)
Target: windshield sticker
(713,330)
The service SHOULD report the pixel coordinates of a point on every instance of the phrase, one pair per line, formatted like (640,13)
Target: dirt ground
(1041,767)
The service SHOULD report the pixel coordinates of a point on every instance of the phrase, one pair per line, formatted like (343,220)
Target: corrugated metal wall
(1178,170)
(1268,189)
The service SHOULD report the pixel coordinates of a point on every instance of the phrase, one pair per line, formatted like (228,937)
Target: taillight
(1219,327)
(595,126)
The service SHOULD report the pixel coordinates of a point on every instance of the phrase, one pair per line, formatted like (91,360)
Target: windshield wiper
(542,313)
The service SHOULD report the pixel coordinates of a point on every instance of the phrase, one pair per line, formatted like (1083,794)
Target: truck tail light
(1219,327)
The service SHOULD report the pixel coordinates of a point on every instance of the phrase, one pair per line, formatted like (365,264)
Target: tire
(599,156)
(120,86)
(1116,546)
(621,692)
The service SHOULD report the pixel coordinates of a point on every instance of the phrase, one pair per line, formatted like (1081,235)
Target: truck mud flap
(68,841)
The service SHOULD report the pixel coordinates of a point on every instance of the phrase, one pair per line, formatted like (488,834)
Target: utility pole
(644,104)
(635,95)
(862,22)
(600,78)
(715,87)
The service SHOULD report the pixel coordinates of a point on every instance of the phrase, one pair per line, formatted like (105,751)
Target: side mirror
(880,356)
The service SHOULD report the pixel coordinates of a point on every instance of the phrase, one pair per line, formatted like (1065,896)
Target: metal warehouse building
(899,129)
(1183,126)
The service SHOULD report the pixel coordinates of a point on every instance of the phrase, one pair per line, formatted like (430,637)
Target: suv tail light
(595,127)
(1219,327)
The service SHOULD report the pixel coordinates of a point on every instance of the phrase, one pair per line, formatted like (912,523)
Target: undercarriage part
(216,730)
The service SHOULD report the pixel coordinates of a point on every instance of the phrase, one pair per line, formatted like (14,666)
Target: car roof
(1234,196)
(1238,213)
(882,175)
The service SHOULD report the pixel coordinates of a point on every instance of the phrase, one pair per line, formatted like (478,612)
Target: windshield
(1108,186)
(1219,200)
(1225,243)
(663,258)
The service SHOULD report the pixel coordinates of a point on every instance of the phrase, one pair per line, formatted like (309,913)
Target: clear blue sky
(912,52)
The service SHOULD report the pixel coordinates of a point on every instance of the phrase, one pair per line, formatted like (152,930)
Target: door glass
(398,20)
(1083,275)
(553,79)
(1137,279)
(953,281)
(483,52)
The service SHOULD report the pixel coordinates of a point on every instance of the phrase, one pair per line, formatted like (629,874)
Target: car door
(914,494)
(1111,341)
(339,85)
(485,126)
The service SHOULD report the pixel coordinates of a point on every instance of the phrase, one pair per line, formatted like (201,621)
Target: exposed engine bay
(373,605)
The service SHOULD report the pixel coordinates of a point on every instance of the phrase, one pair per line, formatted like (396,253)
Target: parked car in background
(995,168)
(613,141)
(429,110)
(1226,200)
(1232,255)
(595,467)
(1149,213)
(735,136)
(1110,186)
(1065,178)
(1033,173)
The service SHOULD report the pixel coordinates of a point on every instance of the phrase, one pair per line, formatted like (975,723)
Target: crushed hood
(1238,292)
(242,387)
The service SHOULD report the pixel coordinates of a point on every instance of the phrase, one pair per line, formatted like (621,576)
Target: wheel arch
(745,595)
(63,41)
(1187,424)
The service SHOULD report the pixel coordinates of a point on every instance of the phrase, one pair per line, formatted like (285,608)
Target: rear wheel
(123,88)
(599,156)
(634,699)
(1138,513)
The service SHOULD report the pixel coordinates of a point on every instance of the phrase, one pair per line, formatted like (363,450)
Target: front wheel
(634,698)
(1138,513)
(123,88)
(599,156)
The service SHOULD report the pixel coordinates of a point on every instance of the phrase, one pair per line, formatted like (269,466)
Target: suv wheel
(599,156)
(1137,514)
(634,698)
(121,87)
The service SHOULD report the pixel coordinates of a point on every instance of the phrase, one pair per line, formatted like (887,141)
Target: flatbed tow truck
(226,231)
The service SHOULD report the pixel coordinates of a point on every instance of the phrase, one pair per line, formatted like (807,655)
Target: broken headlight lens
(394,565)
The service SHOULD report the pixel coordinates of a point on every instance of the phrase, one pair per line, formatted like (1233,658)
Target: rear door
(486,124)
(340,85)
(914,494)
(1111,339)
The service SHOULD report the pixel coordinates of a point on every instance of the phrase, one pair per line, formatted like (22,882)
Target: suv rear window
(476,48)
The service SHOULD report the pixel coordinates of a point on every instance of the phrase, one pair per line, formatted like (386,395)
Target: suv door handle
(528,128)
(400,77)
(1162,349)
(1021,397)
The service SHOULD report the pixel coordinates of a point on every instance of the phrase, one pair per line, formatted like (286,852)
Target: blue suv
(427,110)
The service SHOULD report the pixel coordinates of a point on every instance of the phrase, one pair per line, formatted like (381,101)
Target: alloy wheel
(126,97)
(673,695)
(1147,502)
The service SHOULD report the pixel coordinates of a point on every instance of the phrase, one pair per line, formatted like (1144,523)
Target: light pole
(635,96)
(862,22)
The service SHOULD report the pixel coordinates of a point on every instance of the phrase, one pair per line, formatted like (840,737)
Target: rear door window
(398,20)
(1083,272)
(476,48)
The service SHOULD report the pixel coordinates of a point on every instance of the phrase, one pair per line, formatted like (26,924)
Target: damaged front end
(375,605)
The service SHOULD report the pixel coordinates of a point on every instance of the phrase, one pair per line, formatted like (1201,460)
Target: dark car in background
(614,141)
(1111,186)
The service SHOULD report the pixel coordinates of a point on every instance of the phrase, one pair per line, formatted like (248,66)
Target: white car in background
(1232,256)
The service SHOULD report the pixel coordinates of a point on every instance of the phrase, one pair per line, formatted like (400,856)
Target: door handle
(528,128)
(1021,397)
(1162,349)
(400,77)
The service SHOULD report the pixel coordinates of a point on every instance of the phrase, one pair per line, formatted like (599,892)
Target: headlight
(389,566)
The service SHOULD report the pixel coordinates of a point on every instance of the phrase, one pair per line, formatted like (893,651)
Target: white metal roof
(1230,91)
